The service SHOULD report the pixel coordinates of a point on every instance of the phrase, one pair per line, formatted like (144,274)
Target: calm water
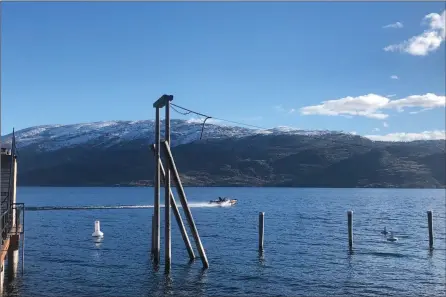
(306,250)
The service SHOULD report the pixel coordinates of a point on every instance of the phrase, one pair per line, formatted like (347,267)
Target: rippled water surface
(306,246)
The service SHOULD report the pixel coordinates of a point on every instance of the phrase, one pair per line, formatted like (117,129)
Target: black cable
(220,119)
(239,123)
(202,127)
(242,124)
(190,111)
(258,127)
(186,113)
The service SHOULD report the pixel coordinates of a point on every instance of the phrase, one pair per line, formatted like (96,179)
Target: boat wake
(103,207)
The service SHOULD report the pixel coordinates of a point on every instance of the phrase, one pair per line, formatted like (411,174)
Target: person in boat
(220,199)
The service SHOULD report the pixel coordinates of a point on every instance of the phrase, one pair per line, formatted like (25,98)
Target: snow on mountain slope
(106,134)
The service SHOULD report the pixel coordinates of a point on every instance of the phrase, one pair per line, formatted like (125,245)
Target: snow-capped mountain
(110,133)
(280,156)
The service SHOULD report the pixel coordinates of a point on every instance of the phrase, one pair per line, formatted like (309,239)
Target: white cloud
(390,96)
(371,105)
(385,125)
(365,105)
(403,136)
(428,100)
(437,22)
(428,41)
(394,77)
(376,129)
(396,25)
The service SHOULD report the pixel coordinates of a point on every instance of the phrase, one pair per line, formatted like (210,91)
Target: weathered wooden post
(261,230)
(167,200)
(156,204)
(160,103)
(431,231)
(183,200)
(350,228)
(177,214)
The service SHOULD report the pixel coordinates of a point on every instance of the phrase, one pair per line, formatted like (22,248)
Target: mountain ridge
(118,153)
(109,133)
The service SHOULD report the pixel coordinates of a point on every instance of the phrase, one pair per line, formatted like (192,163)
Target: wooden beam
(162,101)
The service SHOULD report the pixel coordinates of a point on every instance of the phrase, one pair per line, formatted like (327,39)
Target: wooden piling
(13,256)
(431,231)
(167,230)
(153,234)
(23,246)
(350,228)
(156,251)
(261,230)
(183,201)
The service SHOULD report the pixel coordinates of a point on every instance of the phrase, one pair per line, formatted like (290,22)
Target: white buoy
(97,230)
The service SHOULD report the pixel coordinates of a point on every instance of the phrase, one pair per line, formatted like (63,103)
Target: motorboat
(224,201)
(392,237)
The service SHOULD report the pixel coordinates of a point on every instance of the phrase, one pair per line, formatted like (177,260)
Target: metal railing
(6,223)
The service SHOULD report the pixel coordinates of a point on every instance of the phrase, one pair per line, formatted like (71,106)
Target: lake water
(306,244)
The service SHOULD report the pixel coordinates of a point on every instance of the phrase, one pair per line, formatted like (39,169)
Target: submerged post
(23,240)
(431,231)
(13,256)
(177,215)
(183,201)
(350,228)
(261,230)
(153,234)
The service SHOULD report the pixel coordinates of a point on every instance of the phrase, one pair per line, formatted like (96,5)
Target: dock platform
(12,216)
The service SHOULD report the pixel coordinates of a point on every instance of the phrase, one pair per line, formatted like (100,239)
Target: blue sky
(265,64)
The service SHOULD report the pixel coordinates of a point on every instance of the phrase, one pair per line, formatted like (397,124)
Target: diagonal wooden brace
(177,214)
(183,200)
